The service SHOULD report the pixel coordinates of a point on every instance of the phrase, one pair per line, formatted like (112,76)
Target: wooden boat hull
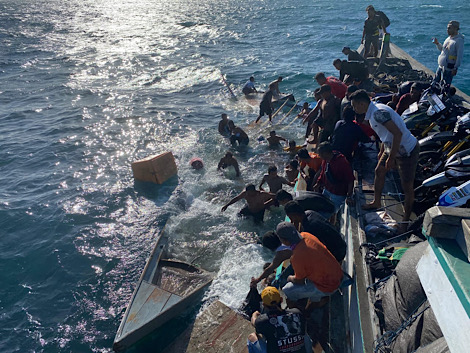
(165,290)
(254,99)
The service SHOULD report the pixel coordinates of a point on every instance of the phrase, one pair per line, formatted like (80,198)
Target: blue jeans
(309,290)
(337,200)
(443,75)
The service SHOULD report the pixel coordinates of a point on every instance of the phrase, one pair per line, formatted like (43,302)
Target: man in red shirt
(338,88)
(336,176)
(316,272)
(313,162)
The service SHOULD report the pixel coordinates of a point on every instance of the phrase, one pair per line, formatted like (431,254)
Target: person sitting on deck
(274,140)
(409,98)
(281,331)
(227,161)
(353,55)
(347,134)
(309,201)
(274,181)
(317,273)
(249,86)
(271,241)
(224,128)
(313,223)
(399,148)
(336,177)
(338,88)
(238,135)
(275,85)
(292,170)
(313,162)
(255,203)
(266,104)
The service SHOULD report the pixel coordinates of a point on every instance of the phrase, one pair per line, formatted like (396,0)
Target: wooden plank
(219,329)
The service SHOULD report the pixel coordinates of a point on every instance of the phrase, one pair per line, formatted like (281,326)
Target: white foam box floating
(155,169)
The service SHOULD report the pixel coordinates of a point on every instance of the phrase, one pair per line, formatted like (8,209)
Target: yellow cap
(270,296)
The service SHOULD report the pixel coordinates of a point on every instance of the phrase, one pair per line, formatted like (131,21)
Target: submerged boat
(165,290)
(255,98)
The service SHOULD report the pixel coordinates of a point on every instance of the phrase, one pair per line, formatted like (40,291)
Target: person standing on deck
(451,54)
(399,147)
(249,86)
(275,84)
(370,34)
(266,104)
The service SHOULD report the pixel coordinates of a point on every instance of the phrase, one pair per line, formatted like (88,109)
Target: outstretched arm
(278,259)
(235,199)
(262,183)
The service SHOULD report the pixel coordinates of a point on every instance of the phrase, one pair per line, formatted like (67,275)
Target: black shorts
(257,216)
(263,110)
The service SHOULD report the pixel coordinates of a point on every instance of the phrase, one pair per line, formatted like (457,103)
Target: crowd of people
(348,113)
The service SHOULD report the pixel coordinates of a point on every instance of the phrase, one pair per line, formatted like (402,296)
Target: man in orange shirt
(317,273)
(313,162)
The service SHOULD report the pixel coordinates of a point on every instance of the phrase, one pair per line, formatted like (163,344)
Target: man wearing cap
(317,272)
(282,330)
(451,54)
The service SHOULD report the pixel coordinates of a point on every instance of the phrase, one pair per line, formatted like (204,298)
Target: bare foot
(371,206)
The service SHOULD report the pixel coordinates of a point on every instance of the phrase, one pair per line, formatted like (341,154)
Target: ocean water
(89,86)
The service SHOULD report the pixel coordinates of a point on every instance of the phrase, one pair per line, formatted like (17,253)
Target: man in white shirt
(399,148)
(249,86)
(451,54)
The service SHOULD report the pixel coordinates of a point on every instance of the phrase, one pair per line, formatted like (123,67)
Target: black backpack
(384,18)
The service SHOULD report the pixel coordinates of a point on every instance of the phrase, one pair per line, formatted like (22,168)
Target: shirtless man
(274,140)
(274,181)
(224,128)
(255,203)
(227,161)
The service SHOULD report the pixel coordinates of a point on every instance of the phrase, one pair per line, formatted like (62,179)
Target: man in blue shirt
(249,87)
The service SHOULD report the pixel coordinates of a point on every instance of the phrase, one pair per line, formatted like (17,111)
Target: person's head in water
(294,211)
(252,79)
(325,91)
(325,151)
(337,64)
(271,241)
(272,133)
(279,79)
(292,144)
(305,106)
(294,164)
(250,189)
(360,101)
(228,154)
(283,197)
(272,170)
(346,50)
(320,78)
(348,114)
(224,117)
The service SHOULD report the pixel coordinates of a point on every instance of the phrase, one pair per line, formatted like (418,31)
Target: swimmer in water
(274,181)
(224,128)
(275,140)
(227,161)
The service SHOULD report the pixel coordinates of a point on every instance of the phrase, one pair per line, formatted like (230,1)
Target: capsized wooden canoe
(165,290)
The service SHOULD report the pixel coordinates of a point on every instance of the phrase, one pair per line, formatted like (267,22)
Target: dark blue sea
(89,86)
